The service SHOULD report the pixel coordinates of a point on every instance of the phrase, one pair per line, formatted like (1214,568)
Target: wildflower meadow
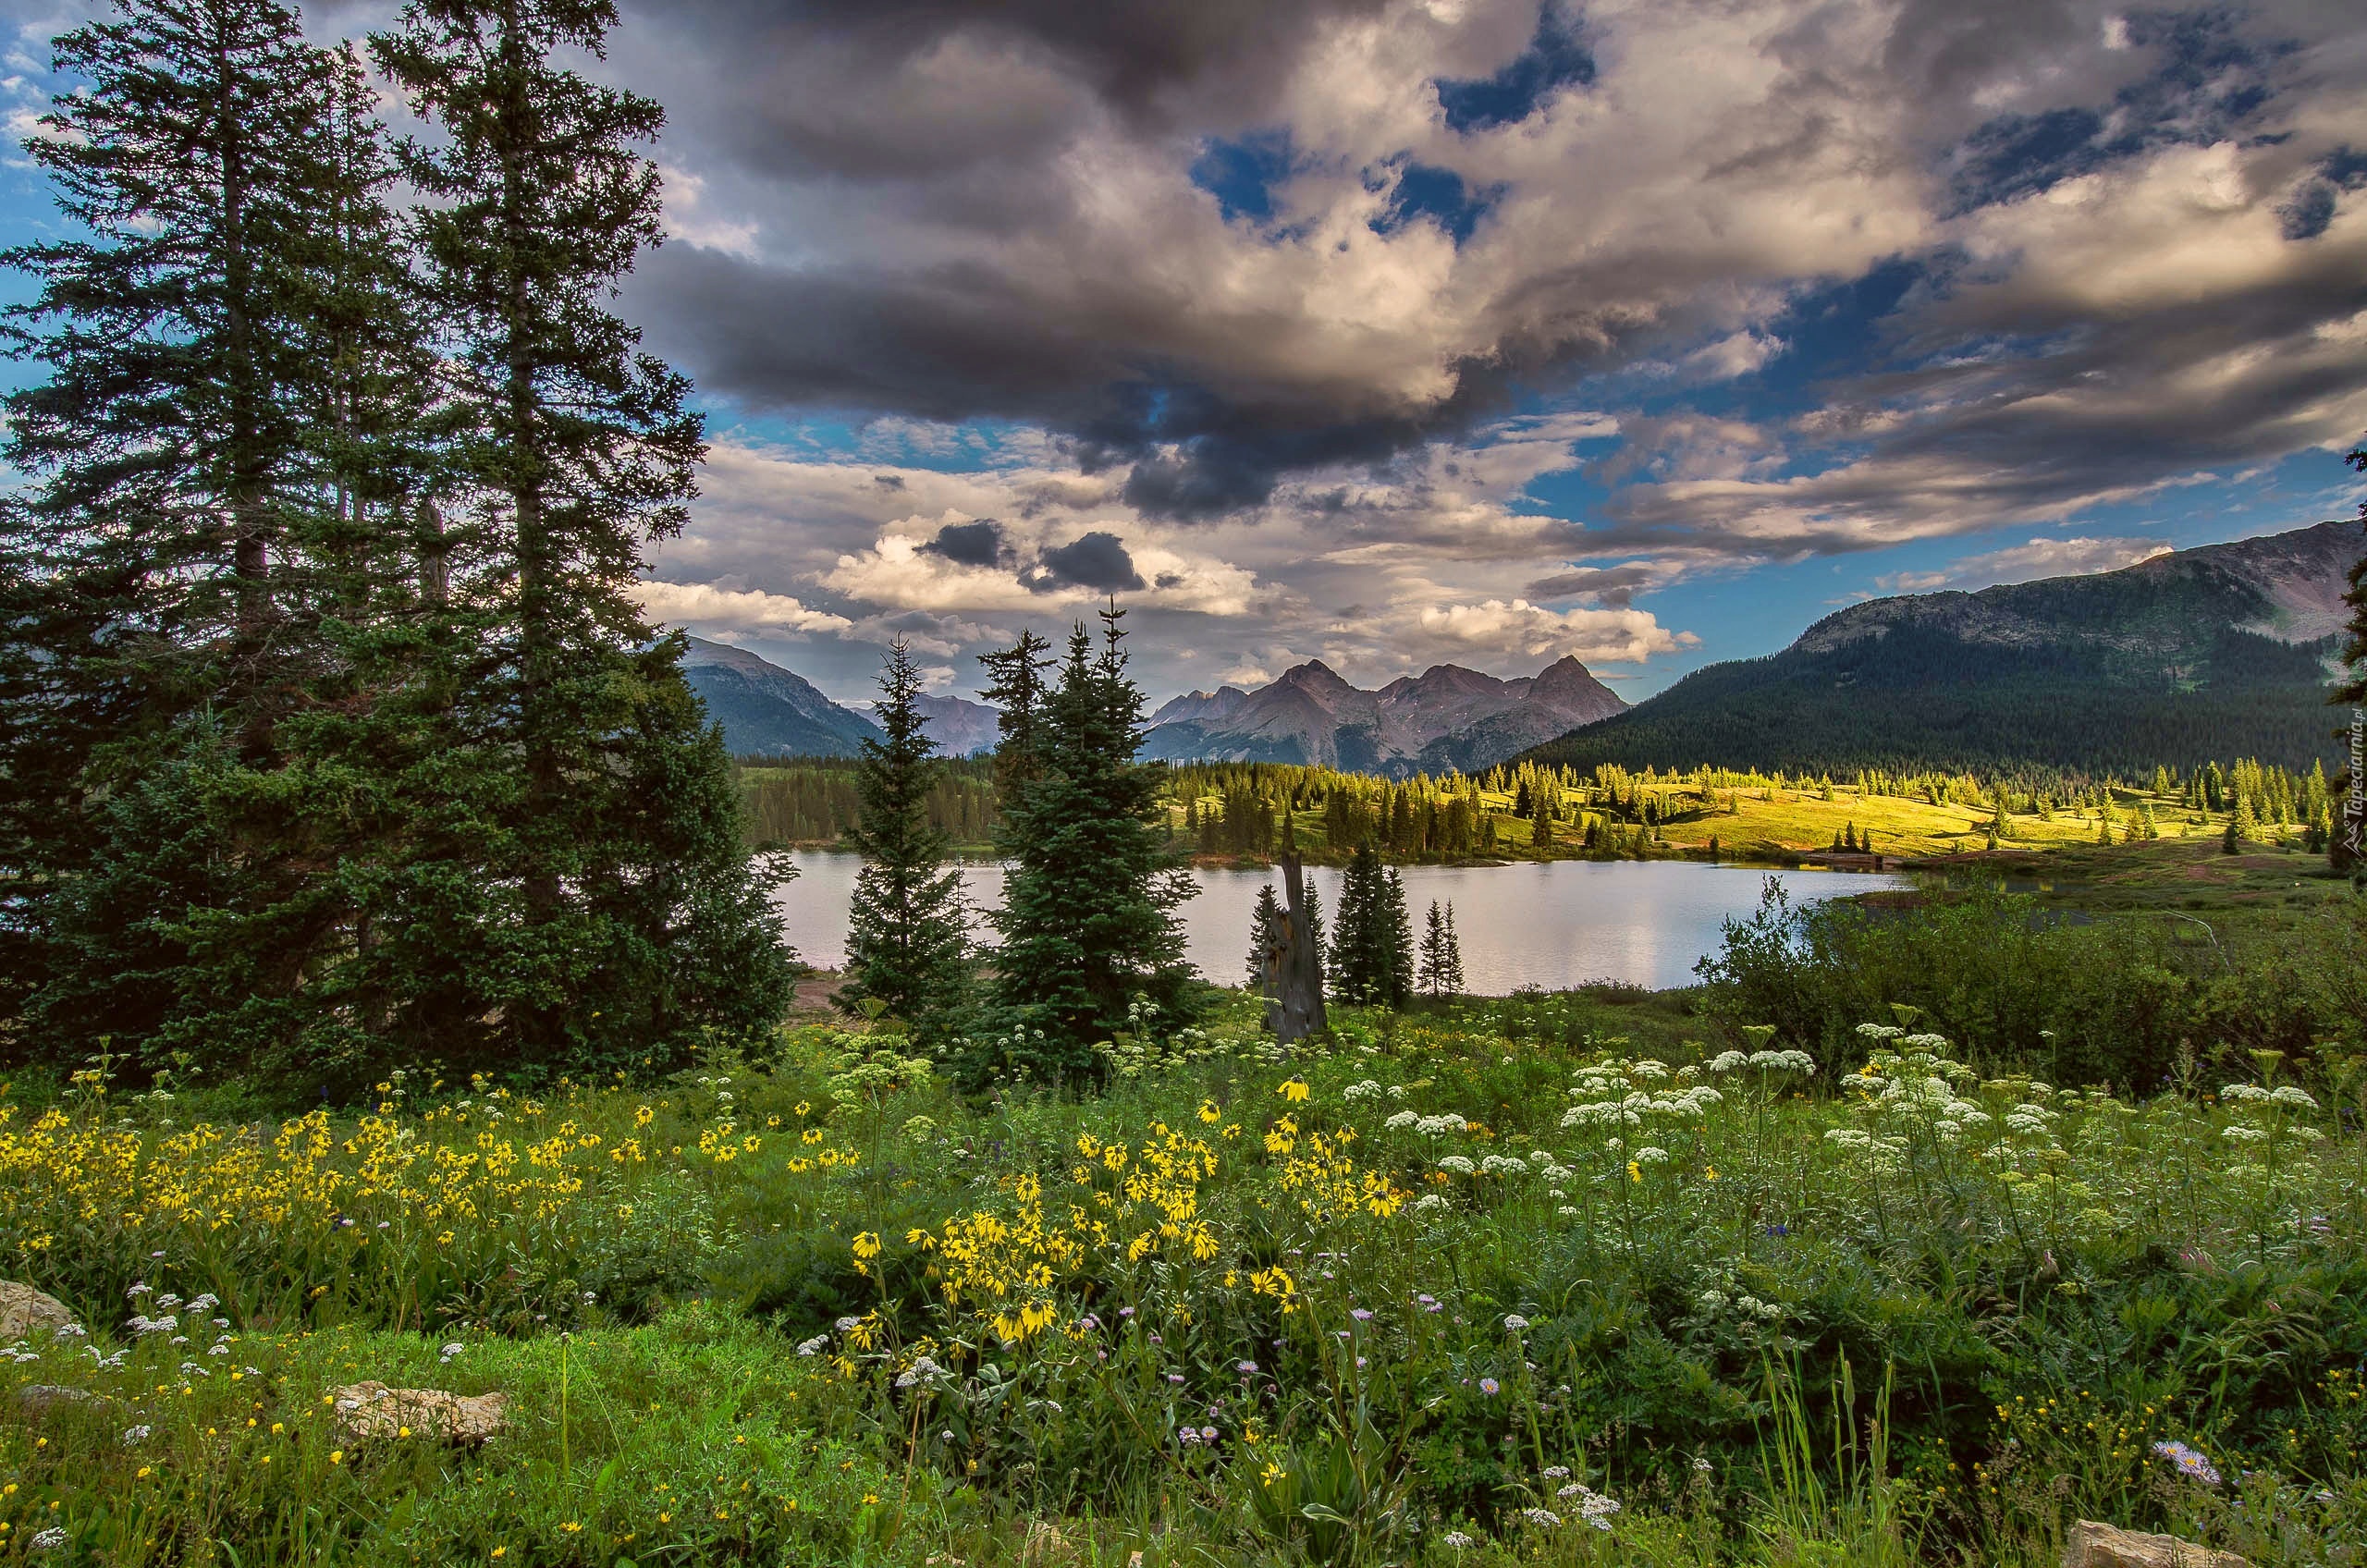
(1445,1288)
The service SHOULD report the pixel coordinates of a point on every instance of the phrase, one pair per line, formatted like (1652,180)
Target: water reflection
(1547,924)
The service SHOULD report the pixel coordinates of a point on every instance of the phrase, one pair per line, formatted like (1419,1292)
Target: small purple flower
(2190,1463)
(1175,1376)
(1489,1386)
(1247,1369)
(1361,1314)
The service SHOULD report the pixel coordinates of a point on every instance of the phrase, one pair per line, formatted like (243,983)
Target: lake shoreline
(1553,925)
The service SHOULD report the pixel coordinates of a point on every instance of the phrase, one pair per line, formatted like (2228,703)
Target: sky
(1395,332)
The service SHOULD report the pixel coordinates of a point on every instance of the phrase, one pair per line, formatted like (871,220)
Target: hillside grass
(1479,1283)
(1774,825)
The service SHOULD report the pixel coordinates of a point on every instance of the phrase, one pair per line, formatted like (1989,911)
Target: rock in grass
(23,1310)
(2091,1545)
(40,1398)
(372,1410)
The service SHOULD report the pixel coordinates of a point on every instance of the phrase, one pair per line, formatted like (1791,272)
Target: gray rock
(2091,1545)
(24,1310)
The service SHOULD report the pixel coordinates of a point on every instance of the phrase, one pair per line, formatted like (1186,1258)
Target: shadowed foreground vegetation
(1482,1284)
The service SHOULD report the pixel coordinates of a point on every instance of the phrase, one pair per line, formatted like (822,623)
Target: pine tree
(1359,940)
(1088,919)
(2346,841)
(1262,921)
(1453,974)
(1433,952)
(196,589)
(1015,690)
(1315,924)
(1441,974)
(906,942)
(1397,942)
(610,907)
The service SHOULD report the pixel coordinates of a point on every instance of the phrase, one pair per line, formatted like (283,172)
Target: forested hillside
(2222,650)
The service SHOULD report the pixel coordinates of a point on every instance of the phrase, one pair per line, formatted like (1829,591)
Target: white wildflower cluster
(1916,1087)
(1442,1125)
(924,1369)
(1742,1305)
(1762,1062)
(1621,1094)
(1594,1508)
(2264,1114)
(1457,1164)
(1370,1089)
(1504,1165)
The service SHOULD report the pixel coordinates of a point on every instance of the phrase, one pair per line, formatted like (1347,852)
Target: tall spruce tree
(1015,691)
(1089,918)
(1441,974)
(602,908)
(1372,945)
(2347,840)
(186,583)
(1321,943)
(1397,937)
(906,943)
(1263,919)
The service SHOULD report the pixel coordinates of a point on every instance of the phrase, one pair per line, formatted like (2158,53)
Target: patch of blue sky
(1555,58)
(961,447)
(1426,190)
(1762,609)
(2207,85)
(1242,174)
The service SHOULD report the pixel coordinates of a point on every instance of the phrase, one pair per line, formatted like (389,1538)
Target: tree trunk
(1293,978)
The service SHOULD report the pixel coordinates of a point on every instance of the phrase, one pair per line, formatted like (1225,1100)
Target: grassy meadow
(1594,1278)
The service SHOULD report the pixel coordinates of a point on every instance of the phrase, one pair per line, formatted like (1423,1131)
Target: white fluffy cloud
(704,608)
(1496,627)
(2020,563)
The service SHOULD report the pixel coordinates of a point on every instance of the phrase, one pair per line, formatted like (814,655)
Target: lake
(1551,923)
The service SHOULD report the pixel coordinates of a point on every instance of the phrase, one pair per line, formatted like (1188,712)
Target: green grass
(1776,825)
(1929,1316)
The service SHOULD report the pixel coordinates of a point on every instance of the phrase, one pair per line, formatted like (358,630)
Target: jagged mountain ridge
(2219,651)
(1446,717)
(959,727)
(768,711)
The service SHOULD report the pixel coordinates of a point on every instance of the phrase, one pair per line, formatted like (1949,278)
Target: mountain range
(768,711)
(1446,717)
(2222,650)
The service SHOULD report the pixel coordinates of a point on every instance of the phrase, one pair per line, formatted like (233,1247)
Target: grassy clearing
(1484,1284)
(1776,824)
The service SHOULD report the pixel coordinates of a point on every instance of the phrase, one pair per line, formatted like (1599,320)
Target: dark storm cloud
(971,543)
(853,87)
(1150,228)
(1614,586)
(1096,560)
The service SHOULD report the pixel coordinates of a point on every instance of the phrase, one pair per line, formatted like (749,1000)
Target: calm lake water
(1549,923)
